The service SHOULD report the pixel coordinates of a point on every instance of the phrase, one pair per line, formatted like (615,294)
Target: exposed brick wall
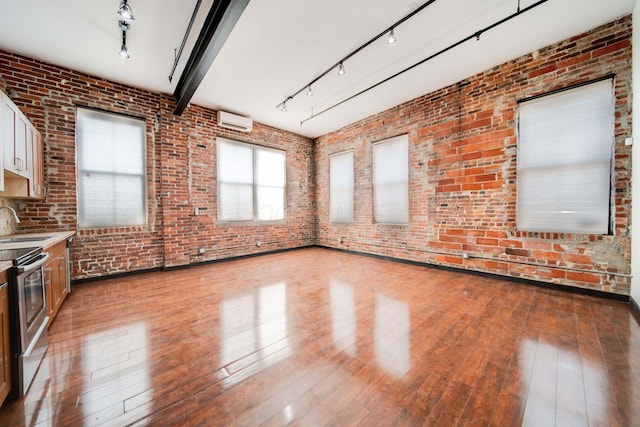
(180,168)
(462,172)
(189,181)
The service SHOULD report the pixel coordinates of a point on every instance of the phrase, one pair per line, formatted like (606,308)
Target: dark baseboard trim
(635,309)
(565,288)
(114,276)
(180,267)
(531,282)
(234,258)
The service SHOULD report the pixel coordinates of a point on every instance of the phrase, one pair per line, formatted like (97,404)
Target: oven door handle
(39,260)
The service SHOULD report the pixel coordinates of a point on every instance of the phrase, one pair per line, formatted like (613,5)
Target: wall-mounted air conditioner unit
(234,121)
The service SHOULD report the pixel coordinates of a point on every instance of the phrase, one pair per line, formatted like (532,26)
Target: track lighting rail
(340,63)
(475,35)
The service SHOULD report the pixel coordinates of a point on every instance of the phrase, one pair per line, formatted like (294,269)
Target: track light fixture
(475,35)
(125,11)
(127,16)
(391,38)
(124,52)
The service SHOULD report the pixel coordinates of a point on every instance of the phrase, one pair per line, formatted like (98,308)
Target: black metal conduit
(475,35)
(184,40)
(337,64)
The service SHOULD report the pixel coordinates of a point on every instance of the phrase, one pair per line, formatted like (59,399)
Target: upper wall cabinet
(17,137)
(22,155)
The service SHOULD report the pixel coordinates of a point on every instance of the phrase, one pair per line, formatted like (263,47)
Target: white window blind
(112,183)
(565,149)
(341,187)
(390,180)
(251,182)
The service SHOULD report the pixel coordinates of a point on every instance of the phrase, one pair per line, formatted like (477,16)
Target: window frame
(406,220)
(353,184)
(254,185)
(79,170)
(611,174)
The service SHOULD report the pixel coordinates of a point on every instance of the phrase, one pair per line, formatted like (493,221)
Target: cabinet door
(5,350)
(63,266)
(49,290)
(2,141)
(36,165)
(16,137)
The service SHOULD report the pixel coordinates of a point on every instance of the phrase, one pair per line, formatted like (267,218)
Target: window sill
(230,224)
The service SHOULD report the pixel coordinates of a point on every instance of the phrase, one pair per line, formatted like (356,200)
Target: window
(112,185)
(251,182)
(390,180)
(565,151)
(341,187)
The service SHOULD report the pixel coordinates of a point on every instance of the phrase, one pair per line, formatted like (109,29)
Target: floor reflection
(116,361)
(253,321)
(391,327)
(343,317)
(392,340)
(553,387)
(42,404)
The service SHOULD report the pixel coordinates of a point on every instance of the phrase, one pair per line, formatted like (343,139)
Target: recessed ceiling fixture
(125,11)
(391,38)
(124,52)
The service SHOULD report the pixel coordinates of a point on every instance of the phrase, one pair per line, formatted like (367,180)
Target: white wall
(635,158)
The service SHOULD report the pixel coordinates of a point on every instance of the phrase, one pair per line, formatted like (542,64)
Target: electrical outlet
(258,244)
(201,251)
(196,211)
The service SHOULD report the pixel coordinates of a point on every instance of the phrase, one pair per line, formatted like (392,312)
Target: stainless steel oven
(29,320)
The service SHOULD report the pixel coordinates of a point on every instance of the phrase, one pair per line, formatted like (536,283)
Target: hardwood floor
(317,337)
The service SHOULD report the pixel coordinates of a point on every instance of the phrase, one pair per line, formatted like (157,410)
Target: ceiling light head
(124,52)
(125,11)
(124,25)
(309,91)
(341,70)
(284,107)
(391,38)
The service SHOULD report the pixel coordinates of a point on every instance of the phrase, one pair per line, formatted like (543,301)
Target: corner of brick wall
(463,172)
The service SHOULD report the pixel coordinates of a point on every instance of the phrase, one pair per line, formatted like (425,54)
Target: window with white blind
(390,180)
(251,182)
(565,152)
(112,184)
(341,187)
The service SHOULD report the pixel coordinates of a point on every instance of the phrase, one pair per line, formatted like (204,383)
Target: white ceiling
(278,46)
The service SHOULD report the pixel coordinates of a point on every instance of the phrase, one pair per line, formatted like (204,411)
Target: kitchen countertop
(49,239)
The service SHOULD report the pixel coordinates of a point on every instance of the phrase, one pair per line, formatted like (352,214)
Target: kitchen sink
(22,239)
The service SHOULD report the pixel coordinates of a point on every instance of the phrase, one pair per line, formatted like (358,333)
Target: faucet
(13,211)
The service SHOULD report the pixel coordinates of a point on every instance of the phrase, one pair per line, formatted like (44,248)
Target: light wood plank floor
(318,337)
